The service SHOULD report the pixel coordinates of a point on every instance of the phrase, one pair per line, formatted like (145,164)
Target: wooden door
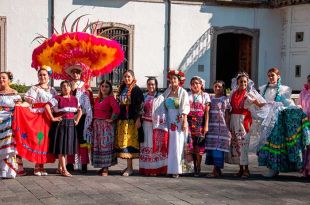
(245,53)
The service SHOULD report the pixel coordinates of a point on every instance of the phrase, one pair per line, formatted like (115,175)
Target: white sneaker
(37,173)
(271,173)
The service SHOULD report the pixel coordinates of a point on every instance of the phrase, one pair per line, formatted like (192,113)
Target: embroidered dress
(177,137)
(127,140)
(196,120)
(154,149)
(304,102)
(84,97)
(8,165)
(218,137)
(103,153)
(287,138)
(63,134)
(31,126)
(240,122)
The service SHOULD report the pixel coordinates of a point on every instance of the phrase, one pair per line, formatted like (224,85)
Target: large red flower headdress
(95,55)
(179,74)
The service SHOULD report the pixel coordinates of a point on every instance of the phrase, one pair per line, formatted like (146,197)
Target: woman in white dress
(8,98)
(177,105)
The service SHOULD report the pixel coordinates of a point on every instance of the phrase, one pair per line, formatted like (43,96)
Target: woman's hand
(184,125)
(76,122)
(109,120)
(57,119)
(138,123)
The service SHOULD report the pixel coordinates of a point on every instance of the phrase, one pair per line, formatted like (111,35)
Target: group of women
(168,132)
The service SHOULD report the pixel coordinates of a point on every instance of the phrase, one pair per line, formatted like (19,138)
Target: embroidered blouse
(65,107)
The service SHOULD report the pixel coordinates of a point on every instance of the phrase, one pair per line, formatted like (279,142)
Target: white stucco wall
(24,19)
(296,19)
(189,22)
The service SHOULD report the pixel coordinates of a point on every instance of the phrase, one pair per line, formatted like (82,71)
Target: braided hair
(276,71)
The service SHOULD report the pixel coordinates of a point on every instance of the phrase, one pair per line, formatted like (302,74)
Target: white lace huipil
(84,101)
(37,94)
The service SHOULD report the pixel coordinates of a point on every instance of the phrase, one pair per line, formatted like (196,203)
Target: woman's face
(128,78)
(174,80)
(273,77)
(4,80)
(105,89)
(151,86)
(242,83)
(218,89)
(43,77)
(65,89)
(196,86)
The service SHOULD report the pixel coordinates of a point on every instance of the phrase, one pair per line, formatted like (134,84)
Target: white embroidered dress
(8,165)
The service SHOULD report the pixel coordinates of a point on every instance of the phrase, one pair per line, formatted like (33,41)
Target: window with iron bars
(122,36)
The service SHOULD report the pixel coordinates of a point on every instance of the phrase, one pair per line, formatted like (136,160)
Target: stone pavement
(114,189)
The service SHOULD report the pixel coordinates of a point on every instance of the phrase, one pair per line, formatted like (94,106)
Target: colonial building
(210,38)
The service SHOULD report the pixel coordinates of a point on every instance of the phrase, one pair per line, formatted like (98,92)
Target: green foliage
(20,88)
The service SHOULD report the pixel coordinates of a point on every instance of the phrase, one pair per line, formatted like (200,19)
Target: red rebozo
(31,135)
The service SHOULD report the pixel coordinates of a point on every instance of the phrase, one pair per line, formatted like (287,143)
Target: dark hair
(110,87)
(196,78)
(308,76)
(129,71)
(64,82)
(123,85)
(223,85)
(9,74)
(156,83)
(44,70)
(274,70)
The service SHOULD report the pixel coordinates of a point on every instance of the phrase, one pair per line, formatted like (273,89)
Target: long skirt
(127,140)
(177,163)
(63,138)
(288,140)
(240,140)
(103,154)
(306,158)
(31,131)
(154,151)
(215,157)
(8,165)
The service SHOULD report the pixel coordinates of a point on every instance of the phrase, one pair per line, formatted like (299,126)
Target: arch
(253,33)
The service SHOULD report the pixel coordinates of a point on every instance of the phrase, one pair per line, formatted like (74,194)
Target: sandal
(21,173)
(65,173)
(175,176)
(214,174)
(105,172)
(124,170)
(239,174)
(246,174)
(127,173)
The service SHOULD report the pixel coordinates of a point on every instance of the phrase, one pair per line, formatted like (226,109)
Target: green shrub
(20,88)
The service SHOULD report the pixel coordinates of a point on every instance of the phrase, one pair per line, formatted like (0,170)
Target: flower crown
(179,74)
(48,69)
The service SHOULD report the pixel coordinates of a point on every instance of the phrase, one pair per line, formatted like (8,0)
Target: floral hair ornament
(180,75)
(48,69)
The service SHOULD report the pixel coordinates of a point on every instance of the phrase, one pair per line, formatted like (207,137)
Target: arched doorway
(233,49)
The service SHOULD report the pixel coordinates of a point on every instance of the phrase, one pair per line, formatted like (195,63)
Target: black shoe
(84,168)
(70,167)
